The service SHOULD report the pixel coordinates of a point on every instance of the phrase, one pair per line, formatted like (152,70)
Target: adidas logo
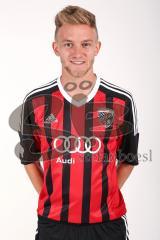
(51,118)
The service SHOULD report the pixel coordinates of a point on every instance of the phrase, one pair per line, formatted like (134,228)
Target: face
(77,46)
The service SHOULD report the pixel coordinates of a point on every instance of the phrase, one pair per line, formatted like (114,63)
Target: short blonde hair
(75,15)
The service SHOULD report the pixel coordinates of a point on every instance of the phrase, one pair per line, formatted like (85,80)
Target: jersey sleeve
(29,149)
(127,151)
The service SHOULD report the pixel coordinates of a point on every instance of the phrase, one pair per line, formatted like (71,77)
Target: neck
(75,86)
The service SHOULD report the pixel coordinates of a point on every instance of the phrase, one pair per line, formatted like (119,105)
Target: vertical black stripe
(66,167)
(104,207)
(31,151)
(87,165)
(47,126)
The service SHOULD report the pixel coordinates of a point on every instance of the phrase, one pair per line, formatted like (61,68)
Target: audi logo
(77,144)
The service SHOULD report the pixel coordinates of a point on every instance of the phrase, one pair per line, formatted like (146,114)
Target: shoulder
(125,95)
(117,91)
(40,91)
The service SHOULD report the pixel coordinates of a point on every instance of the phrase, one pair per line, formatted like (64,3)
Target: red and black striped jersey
(80,147)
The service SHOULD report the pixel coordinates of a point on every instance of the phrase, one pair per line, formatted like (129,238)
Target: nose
(77,51)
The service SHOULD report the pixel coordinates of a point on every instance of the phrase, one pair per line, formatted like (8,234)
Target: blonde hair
(75,15)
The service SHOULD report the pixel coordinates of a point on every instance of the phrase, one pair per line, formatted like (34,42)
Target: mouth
(77,62)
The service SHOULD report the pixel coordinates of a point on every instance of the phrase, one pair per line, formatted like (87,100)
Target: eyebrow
(86,40)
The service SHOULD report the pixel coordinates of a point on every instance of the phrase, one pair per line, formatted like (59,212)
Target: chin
(77,74)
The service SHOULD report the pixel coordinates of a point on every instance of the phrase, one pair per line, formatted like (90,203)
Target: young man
(85,130)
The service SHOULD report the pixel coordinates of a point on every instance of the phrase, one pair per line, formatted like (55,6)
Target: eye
(86,44)
(68,45)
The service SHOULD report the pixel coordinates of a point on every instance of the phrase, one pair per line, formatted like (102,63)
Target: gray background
(129,57)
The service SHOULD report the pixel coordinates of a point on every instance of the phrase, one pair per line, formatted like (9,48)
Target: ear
(55,48)
(98,46)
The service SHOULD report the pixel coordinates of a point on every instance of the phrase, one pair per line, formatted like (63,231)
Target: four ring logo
(74,144)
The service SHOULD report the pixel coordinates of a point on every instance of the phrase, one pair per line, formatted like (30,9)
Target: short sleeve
(127,151)
(29,148)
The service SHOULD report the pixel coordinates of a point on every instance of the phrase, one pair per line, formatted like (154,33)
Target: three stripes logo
(51,118)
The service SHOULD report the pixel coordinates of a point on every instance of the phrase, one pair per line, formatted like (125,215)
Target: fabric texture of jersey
(80,147)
